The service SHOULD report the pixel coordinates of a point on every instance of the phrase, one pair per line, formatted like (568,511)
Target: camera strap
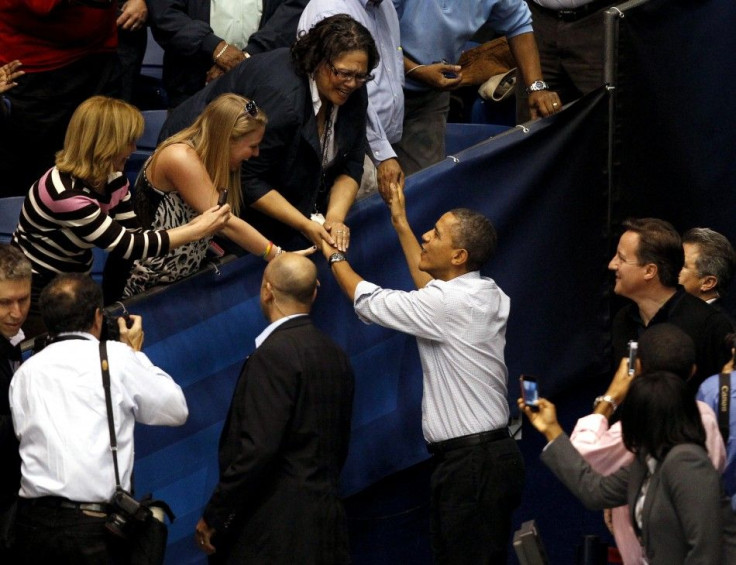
(724,401)
(105,366)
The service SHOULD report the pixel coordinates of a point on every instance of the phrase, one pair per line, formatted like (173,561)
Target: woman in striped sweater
(84,202)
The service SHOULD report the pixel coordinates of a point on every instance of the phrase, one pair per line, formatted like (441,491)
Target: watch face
(538,85)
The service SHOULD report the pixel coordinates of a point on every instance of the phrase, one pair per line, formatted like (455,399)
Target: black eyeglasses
(251,108)
(359,78)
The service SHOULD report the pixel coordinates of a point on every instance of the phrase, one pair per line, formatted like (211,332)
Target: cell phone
(633,348)
(222,199)
(449,74)
(529,391)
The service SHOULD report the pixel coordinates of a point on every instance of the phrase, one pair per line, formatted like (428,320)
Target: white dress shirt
(235,20)
(58,406)
(460,326)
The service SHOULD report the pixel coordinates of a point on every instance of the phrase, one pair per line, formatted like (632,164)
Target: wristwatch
(536,86)
(605,398)
(336,258)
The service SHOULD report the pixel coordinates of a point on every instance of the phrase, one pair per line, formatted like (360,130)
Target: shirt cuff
(380,150)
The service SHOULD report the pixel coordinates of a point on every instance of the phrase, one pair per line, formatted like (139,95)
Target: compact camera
(126,513)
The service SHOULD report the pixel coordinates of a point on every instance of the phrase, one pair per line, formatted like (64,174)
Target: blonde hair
(100,130)
(226,113)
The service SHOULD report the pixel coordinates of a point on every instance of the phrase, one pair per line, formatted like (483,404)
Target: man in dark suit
(15,299)
(196,49)
(285,438)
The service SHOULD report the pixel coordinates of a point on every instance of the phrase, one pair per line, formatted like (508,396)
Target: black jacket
(283,445)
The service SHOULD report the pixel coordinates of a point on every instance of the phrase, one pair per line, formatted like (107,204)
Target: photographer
(58,406)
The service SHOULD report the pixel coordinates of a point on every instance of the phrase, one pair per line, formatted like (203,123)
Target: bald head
(293,278)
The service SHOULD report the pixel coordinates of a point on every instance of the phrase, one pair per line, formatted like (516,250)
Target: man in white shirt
(459,319)
(58,405)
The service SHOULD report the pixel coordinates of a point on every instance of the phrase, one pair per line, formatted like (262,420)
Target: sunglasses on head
(251,108)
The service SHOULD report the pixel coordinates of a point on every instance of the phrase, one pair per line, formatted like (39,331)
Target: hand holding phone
(222,199)
(529,392)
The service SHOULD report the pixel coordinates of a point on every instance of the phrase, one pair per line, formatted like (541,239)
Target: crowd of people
(282,114)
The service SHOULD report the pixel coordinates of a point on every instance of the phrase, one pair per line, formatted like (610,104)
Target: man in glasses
(385,91)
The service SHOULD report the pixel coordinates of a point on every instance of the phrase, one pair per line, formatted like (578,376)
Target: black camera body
(127,513)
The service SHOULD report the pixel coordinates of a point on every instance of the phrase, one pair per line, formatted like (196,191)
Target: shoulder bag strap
(104,365)
(724,401)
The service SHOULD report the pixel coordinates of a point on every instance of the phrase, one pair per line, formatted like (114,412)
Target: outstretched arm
(409,243)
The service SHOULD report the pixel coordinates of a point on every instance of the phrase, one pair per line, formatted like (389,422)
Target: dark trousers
(423,139)
(65,536)
(474,493)
(571,55)
(41,106)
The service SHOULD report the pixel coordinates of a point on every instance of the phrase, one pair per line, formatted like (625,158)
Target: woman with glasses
(311,157)
(84,202)
(190,172)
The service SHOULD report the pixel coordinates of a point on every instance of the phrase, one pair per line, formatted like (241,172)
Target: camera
(126,514)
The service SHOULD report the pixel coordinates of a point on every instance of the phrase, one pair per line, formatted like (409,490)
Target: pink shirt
(603,448)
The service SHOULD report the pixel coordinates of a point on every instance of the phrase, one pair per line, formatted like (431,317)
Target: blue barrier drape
(542,188)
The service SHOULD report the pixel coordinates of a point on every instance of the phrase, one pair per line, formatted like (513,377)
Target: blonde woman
(186,175)
(84,201)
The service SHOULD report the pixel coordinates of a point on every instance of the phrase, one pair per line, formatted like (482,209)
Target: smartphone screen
(633,348)
(529,391)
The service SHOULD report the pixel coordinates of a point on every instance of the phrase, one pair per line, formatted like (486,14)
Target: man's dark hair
(69,303)
(659,243)
(329,39)
(474,233)
(13,264)
(716,256)
(659,413)
(665,347)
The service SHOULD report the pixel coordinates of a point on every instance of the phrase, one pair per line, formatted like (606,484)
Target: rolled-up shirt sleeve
(418,312)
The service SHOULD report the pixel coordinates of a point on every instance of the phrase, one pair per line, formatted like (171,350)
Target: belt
(59,502)
(467,441)
(573,14)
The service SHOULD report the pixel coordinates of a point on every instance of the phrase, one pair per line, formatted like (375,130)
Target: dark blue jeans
(65,536)
(474,493)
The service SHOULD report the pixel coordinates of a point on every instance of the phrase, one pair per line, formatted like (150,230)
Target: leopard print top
(163,210)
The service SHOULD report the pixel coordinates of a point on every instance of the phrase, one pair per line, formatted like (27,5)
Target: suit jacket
(290,157)
(684,511)
(281,451)
(9,455)
(182,28)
